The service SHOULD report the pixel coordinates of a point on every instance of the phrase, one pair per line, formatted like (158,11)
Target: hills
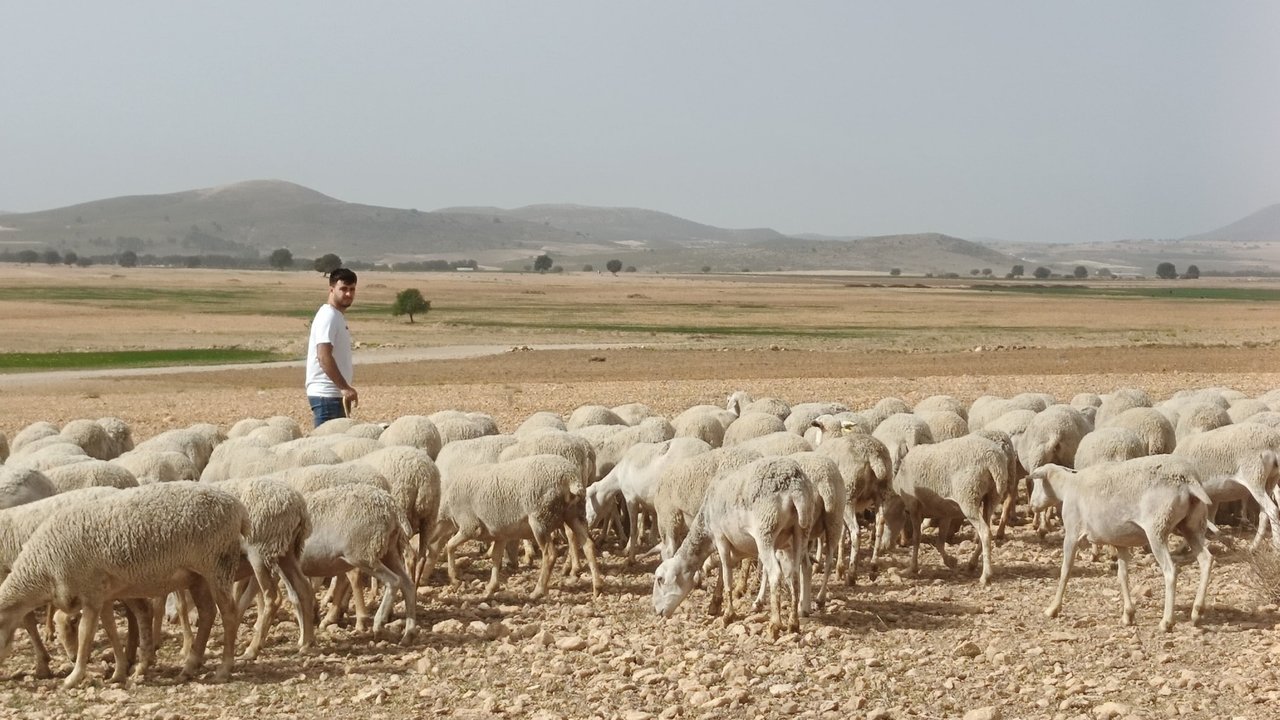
(251,219)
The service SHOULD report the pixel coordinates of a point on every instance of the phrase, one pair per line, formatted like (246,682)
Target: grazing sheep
(311,478)
(101,439)
(704,426)
(370,431)
(900,433)
(1083,400)
(90,473)
(335,426)
(1157,433)
(270,435)
(803,414)
(964,478)
(1052,437)
(611,442)
(635,479)
(943,424)
(1129,504)
(556,442)
(1198,417)
(867,469)
(20,485)
(588,415)
(1245,408)
(543,420)
(278,528)
(140,542)
(50,446)
(829,512)
(1236,462)
(454,425)
(751,424)
(778,443)
(1269,418)
(526,498)
(942,403)
(741,402)
(414,431)
(989,407)
(196,442)
(1123,399)
(1002,439)
(884,409)
(354,448)
(1013,423)
(845,423)
(360,527)
(633,413)
(242,457)
(1111,444)
(415,483)
(762,510)
(31,433)
(725,417)
(152,466)
(682,486)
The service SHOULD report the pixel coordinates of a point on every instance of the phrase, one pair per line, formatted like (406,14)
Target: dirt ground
(933,646)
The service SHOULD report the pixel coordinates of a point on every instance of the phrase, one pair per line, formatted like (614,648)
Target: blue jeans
(325,408)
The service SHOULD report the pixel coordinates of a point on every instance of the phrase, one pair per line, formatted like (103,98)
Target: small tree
(986,272)
(1018,271)
(1192,273)
(281,258)
(974,272)
(1104,272)
(51,257)
(588,268)
(27,257)
(327,263)
(1042,273)
(631,268)
(128,258)
(410,302)
(70,258)
(1166,271)
(542,263)
(613,266)
(895,272)
(1081,272)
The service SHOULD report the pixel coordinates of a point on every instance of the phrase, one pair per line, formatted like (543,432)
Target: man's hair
(342,275)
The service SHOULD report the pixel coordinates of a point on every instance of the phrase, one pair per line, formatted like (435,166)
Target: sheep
(136,543)
(1241,410)
(20,485)
(335,426)
(803,414)
(942,403)
(883,409)
(682,486)
(723,416)
(555,442)
(1236,462)
(961,478)
(1005,443)
(1269,418)
(588,415)
(750,425)
(1052,436)
(1080,401)
(1158,435)
(610,442)
(454,425)
(989,407)
(16,526)
(867,469)
(1198,417)
(4,448)
(462,454)
(900,433)
(830,509)
(1014,422)
(526,498)
(119,436)
(762,510)
(777,443)
(90,473)
(544,420)
(354,448)
(278,528)
(633,413)
(244,458)
(414,480)
(943,424)
(31,433)
(53,445)
(704,426)
(196,442)
(414,431)
(740,402)
(1129,504)
(845,423)
(361,527)
(635,478)
(271,435)
(1272,399)
(1120,400)
(1110,444)
(150,466)
(243,427)
(311,478)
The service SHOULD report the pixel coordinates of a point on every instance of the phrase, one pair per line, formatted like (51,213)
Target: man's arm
(324,354)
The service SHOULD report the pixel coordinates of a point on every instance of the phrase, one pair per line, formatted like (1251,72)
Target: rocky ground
(933,646)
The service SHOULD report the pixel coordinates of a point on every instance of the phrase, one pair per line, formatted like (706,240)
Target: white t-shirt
(329,326)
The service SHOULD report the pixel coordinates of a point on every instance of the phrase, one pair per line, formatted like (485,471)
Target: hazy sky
(1019,120)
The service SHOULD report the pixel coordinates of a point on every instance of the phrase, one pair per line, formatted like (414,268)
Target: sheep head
(672,581)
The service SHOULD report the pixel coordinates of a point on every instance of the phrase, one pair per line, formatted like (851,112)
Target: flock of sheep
(196,516)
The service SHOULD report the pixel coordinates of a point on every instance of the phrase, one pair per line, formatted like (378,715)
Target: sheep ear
(817,438)
(848,426)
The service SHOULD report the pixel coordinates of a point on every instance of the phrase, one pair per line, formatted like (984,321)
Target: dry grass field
(933,646)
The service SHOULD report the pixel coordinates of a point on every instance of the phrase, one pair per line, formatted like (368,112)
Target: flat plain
(933,646)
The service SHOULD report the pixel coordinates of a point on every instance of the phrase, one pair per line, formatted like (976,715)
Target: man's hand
(350,398)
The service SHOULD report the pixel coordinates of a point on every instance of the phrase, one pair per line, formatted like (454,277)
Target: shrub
(410,302)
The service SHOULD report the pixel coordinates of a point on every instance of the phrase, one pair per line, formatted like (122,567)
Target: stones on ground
(990,712)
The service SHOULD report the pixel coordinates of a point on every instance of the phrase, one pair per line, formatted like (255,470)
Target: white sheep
(152,466)
(1269,418)
(682,485)
(762,510)
(777,443)
(21,485)
(943,424)
(633,413)
(455,425)
(360,527)
(830,509)
(964,478)
(1129,504)
(1005,443)
(741,402)
(1083,400)
(542,420)
(752,424)
(635,480)
(611,441)
(803,414)
(588,415)
(354,448)
(523,499)
(414,480)
(1198,417)
(31,433)
(867,470)
(414,431)
(1245,408)
(1237,462)
(1110,444)
(900,432)
(462,454)
(705,425)
(90,473)
(945,403)
(568,445)
(197,442)
(828,426)
(92,435)
(883,409)
(1116,402)
(1052,437)
(136,543)
(334,426)
(1157,433)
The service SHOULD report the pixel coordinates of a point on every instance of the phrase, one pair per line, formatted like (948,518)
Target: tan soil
(935,646)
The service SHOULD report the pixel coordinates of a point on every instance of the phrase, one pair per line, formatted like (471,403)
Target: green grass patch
(105,360)
(1159,293)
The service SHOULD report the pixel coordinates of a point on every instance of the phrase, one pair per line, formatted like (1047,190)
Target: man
(329,366)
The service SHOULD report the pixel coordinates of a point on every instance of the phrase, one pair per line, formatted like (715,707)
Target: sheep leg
(393,575)
(833,539)
(1205,558)
(726,579)
(458,538)
(225,601)
(497,550)
(303,599)
(542,536)
(338,600)
(250,591)
(983,530)
(108,621)
(357,598)
(771,573)
(195,650)
(64,623)
(1069,540)
(915,543)
(88,625)
(589,551)
(143,611)
(1006,509)
(1160,551)
(37,645)
(1268,514)
(851,522)
(1122,573)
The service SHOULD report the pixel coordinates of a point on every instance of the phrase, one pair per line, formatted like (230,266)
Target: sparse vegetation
(281,258)
(327,263)
(542,263)
(1080,273)
(410,302)
(1192,273)
(1166,271)
(613,266)
(1042,273)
